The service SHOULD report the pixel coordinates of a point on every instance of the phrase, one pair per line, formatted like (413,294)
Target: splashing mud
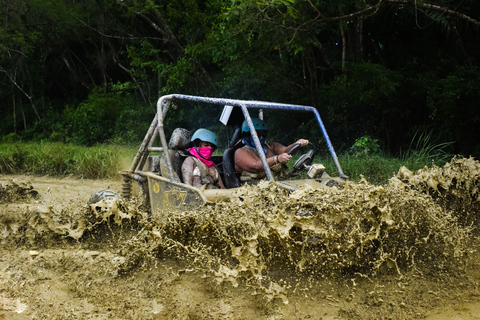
(404,250)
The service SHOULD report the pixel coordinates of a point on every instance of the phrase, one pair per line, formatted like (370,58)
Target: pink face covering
(205,153)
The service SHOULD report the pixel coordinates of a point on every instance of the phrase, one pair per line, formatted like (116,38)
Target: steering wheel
(295,147)
(304,160)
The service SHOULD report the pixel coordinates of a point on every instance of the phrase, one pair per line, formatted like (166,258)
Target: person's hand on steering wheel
(283,157)
(302,142)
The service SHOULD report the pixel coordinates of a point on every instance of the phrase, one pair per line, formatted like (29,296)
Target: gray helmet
(205,135)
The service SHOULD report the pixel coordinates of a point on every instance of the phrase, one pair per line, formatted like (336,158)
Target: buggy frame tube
(161,114)
(258,145)
(141,153)
(244,105)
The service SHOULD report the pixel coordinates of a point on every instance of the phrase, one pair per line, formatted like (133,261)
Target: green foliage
(359,99)
(375,169)
(365,146)
(132,125)
(178,74)
(11,138)
(59,159)
(105,161)
(36,158)
(93,120)
(383,74)
(100,161)
(10,158)
(424,149)
(451,106)
(106,117)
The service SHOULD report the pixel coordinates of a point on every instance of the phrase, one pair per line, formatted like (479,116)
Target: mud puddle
(405,250)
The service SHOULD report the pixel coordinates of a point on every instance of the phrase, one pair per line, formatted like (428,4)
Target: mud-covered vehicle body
(157,169)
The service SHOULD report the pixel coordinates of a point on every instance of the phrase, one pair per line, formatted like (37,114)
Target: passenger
(198,170)
(247,162)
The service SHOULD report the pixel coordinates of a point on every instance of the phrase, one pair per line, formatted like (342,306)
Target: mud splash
(396,251)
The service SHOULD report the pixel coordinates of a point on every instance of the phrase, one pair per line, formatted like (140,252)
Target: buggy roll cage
(165,102)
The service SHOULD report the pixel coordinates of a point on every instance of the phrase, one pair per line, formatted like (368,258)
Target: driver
(247,162)
(198,170)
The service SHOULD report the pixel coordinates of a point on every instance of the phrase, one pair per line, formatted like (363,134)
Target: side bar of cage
(143,150)
(162,108)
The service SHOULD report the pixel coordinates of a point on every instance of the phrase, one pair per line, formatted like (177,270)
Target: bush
(108,117)
(365,146)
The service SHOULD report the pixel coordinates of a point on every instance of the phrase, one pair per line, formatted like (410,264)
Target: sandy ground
(56,263)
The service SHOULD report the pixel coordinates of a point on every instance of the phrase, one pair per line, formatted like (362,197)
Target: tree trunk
(458,39)
(74,73)
(14,82)
(31,85)
(344,46)
(14,113)
(23,115)
(378,51)
(359,39)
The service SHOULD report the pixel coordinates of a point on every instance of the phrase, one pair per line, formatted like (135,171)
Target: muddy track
(301,256)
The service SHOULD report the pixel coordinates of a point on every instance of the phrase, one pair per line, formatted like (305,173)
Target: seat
(179,142)
(236,141)
(230,177)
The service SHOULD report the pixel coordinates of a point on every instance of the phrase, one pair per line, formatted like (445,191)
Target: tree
(375,67)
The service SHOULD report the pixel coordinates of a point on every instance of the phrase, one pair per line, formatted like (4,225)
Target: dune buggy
(157,164)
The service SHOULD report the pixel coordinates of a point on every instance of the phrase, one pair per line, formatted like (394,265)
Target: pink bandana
(205,153)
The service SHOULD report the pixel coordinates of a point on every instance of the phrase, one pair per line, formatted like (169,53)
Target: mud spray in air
(404,250)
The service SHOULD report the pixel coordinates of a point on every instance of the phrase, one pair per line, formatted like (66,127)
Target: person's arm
(279,148)
(245,160)
(188,167)
(220,182)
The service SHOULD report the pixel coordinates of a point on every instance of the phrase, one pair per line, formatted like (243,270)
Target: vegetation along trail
(404,250)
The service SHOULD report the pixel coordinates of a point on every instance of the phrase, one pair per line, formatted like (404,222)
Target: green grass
(364,161)
(58,159)
(423,149)
(105,161)
(376,169)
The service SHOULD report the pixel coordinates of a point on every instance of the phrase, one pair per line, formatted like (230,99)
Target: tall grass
(378,168)
(424,149)
(58,159)
(105,161)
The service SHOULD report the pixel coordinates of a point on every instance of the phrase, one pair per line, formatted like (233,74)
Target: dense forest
(91,71)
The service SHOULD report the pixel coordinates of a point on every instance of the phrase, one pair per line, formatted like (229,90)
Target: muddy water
(405,250)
